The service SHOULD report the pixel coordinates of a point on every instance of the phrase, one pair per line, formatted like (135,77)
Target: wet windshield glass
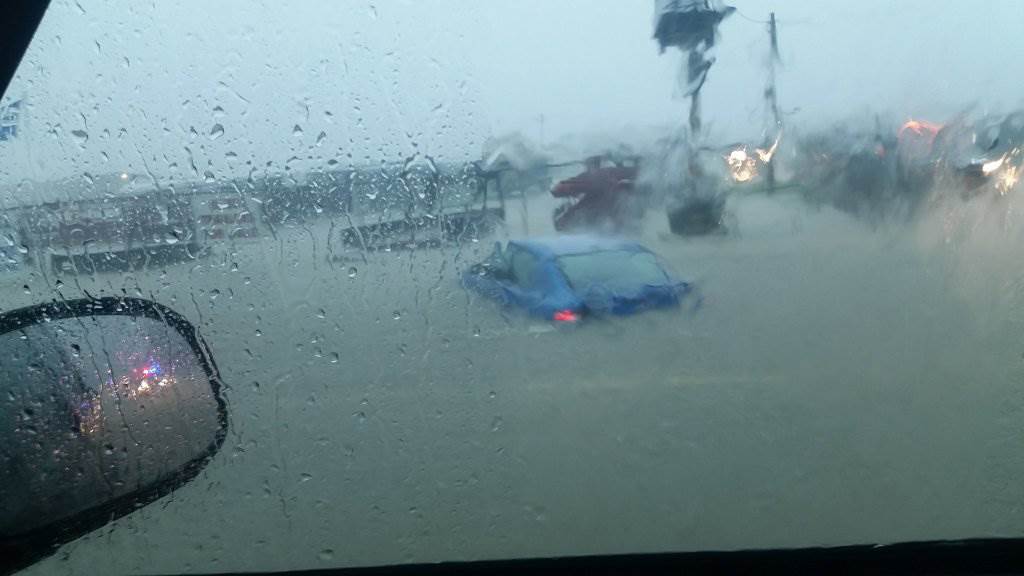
(314,185)
(619,271)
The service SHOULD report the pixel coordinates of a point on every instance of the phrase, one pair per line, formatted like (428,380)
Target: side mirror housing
(105,405)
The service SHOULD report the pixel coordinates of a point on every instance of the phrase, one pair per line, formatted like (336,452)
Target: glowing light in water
(992,165)
(766,155)
(1007,179)
(1004,171)
(742,166)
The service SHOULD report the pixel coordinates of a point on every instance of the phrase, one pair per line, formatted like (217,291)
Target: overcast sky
(115,86)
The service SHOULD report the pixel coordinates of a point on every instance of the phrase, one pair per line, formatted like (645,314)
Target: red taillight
(565,316)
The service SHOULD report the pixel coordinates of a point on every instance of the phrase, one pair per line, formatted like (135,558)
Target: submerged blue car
(568,277)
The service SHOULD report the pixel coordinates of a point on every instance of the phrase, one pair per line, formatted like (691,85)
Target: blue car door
(521,290)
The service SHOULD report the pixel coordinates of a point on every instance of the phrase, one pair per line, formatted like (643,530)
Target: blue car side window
(523,266)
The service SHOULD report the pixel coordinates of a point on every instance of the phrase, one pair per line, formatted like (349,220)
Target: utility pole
(692,26)
(696,65)
(773,105)
(697,68)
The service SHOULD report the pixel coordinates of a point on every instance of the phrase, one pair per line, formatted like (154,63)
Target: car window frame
(667,276)
(514,252)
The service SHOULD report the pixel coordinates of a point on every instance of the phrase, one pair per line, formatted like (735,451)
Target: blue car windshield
(620,271)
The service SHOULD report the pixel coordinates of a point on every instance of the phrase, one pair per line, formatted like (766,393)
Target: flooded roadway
(839,385)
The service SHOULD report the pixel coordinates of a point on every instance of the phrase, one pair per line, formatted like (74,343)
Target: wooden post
(773,105)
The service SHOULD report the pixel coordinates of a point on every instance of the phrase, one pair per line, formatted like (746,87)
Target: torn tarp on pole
(688,24)
(691,26)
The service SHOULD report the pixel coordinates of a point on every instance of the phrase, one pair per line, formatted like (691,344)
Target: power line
(748,18)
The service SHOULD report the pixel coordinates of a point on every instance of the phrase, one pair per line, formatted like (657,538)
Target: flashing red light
(920,128)
(566,316)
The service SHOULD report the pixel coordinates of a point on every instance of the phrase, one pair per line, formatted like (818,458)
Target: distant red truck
(603,196)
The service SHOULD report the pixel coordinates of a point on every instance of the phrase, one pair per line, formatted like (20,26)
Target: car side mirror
(105,405)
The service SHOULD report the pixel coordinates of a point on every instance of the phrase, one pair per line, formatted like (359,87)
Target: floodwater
(839,385)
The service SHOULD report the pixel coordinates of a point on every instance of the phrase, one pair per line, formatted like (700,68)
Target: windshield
(313,184)
(619,271)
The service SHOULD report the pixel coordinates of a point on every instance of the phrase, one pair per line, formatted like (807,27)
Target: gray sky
(386,79)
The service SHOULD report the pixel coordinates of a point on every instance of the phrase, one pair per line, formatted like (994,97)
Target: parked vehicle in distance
(604,196)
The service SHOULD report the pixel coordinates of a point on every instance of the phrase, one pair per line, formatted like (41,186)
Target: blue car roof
(554,246)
